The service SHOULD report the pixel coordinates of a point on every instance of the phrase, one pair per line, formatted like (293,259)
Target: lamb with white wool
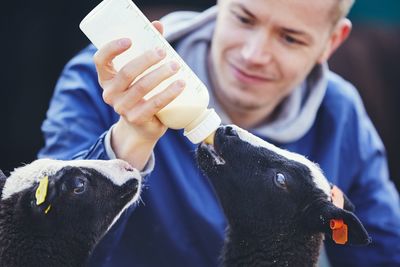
(53,213)
(278,204)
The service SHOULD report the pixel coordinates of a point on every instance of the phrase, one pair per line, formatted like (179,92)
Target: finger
(158,25)
(135,67)
(104,56)
(149,108)
(147,83)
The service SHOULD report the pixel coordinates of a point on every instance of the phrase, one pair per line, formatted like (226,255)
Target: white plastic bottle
(114,19)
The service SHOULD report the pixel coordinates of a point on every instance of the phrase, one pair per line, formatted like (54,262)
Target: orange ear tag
(337,197)
(339,231)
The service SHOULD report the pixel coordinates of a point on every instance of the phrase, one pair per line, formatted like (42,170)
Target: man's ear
(338,35)
(336,222)
(3,179)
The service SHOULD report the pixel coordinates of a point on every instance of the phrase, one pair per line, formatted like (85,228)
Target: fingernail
(174,66)
(160,51)
(124,43)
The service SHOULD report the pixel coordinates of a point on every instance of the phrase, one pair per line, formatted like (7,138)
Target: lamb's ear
(3,179)
(342,226)
(348,205)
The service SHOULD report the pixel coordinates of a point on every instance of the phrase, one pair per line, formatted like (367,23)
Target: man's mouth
(248,78)
(217,158)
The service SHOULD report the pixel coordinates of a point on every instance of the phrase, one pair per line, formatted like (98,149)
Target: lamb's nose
(133,185)
(230,131)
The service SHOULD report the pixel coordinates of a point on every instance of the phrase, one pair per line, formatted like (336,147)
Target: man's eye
(291,40)
(242,19)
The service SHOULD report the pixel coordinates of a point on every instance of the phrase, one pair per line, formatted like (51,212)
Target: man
(264,62)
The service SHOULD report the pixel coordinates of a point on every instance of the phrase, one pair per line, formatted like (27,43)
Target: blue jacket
(179,222)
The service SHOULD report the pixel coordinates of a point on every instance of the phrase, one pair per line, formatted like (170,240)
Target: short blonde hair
(341,9)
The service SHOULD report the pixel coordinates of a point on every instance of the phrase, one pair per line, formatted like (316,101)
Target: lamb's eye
(79,186)
(280,180)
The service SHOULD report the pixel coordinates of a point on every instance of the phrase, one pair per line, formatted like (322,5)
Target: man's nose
(256,49)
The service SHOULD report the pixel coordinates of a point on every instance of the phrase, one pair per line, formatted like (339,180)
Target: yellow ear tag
(41,191)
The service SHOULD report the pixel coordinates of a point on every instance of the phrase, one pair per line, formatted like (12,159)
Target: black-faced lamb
(278,204)
(53,213)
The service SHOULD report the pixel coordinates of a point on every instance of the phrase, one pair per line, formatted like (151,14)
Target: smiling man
(264,62)
(262,50)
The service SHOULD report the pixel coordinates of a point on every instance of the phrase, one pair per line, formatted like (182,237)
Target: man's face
(263,49)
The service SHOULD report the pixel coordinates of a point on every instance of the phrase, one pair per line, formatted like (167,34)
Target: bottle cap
(207,126)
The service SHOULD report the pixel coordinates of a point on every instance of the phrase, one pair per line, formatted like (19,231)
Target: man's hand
(136,133)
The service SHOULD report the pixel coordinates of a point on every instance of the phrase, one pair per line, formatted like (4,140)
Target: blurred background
(39,37)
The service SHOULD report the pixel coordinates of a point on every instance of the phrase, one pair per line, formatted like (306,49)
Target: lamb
(53,213)
(278,204)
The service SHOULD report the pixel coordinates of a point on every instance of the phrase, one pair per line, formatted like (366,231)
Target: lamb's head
(75,199)
(262,187)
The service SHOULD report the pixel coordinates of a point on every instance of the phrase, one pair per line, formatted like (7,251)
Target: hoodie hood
(190,33)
